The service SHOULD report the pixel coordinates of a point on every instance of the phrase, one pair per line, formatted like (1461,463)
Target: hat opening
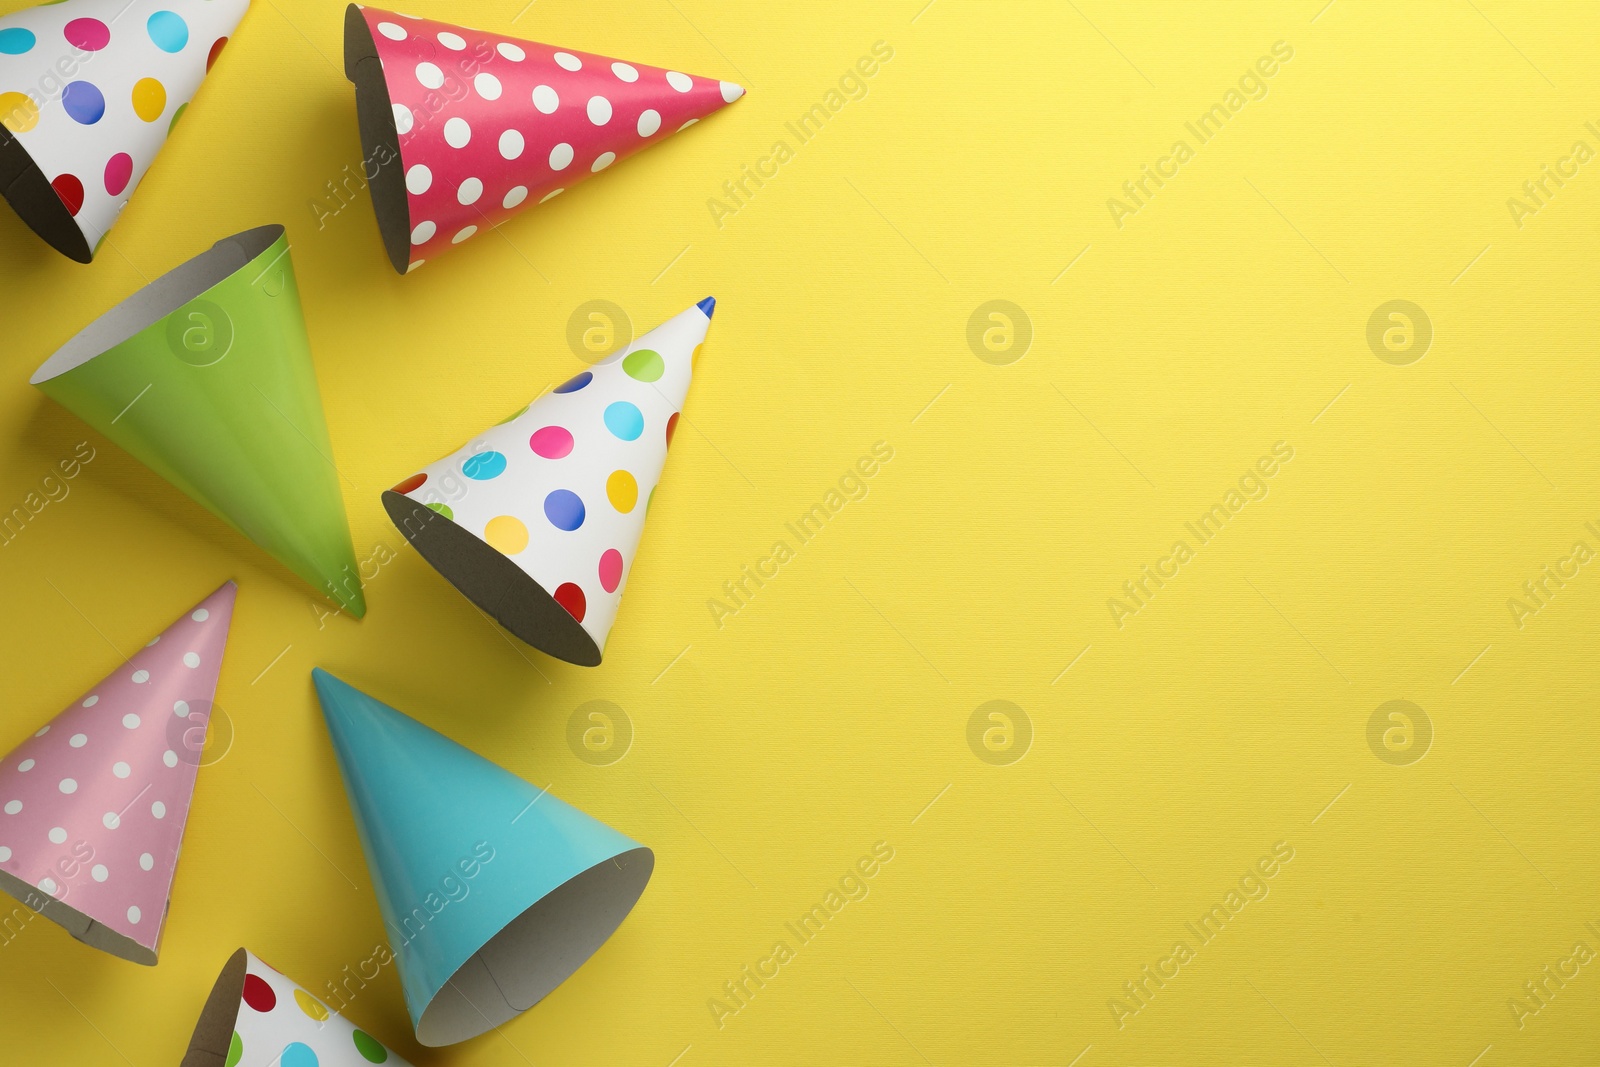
(29,192)
(536,951)
(213,1034)
(90,932)
(380,139)
(491,580)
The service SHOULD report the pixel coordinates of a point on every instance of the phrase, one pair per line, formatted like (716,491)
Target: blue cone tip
(708,305)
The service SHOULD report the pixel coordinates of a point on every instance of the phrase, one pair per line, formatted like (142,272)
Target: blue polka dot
(296,1054)
(484,465)
(575,384)
(16,40)
(169,32)
(84,102)
(564,509)
(625,420)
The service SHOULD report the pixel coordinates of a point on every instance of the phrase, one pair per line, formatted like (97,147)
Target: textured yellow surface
(1165,757)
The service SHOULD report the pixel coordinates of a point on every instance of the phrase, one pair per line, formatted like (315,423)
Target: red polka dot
(551,442)
(610,570)
(70,190)
(91,35)
(258,994)
(119,168)
(672,427)
(411,484)
(570,597)
(216,50)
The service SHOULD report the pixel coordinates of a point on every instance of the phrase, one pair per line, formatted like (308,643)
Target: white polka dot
(414,264)
(99,873)
(457,133)
(90,701)
(488,86)
(134,915)
(200,615)
(551,195)
(511,51)
(604,160)
(48,885)
(423,233)
(545,99)
(181,709)
(146,861)
(517,195)
(599,110)
(170,758)
(463,234)
(159,810)
(568,61)
(141,677)
(5,854)
(453,41)
(403,119)
(111,820)
(131,721)
(26,765)
(419,179)
(152,641)
(625,72)
(78,740)
(511,144)
(13,806)
(391,31)
(191,659)
(469,191)
(429,75)
(121,770)
(68,786)
(649,122)
(41,731)
(681,82)
(686,125)
(561,156)
(58,835)
(731,91)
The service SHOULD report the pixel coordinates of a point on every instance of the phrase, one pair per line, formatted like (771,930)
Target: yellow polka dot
(310,1005)
(622,490)
(149,99)
(18,113)
(506,534)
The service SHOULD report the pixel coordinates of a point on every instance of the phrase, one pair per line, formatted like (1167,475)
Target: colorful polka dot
(18,113)
(91,35)
(83,102)
(297,1054)
(15,40)
(514,417)
(506,534)
(443,509)
(69,190)
(235,1051)
(119,170)
(365,1043)
(309,1004)
(672,427)
(168,30)
(411,484)
(564,509)
(573,384)
(216,50)
(624,420)
(571,597)
(484,466)
(176,115)
(149,99)
(610,570)
(551,442)
(622,490)
(645,365)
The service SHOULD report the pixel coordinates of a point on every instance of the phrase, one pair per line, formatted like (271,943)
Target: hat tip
(708,305)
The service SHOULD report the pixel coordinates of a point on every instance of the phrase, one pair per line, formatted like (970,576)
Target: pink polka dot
(610,570)
(551,442)
(91,35)
(119,168)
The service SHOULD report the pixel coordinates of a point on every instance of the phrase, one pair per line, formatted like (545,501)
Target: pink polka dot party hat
(89,92)
(537,519)
(465,128)
(93,805)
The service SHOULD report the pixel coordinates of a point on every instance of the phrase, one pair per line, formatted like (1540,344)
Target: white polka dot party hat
(93,805)
(537,519)
(463,128)
(89,91)
(255,1017)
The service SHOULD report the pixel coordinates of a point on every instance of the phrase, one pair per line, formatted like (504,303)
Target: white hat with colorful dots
(89,91)
(537,519)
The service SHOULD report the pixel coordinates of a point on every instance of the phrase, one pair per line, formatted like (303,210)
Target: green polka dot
(515,417)
(235,1051)
(644,365)
(444,509)
(176,115)
(369,1048)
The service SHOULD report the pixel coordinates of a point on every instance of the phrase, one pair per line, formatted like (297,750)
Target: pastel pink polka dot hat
(93,805)
(89,91)
(537,520)
(464,128)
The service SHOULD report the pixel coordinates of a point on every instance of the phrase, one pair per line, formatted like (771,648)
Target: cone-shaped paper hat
(89,91)
(205,376)
(94,804)
(537,519)
(464,127)
(493,891)
(255,1017)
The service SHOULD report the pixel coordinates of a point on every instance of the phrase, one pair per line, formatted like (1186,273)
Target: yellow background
(771,753)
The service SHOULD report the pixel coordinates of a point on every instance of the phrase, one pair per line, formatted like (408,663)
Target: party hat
(94,804)
(493,891)
(465,127)
(205,376)
(89,91)
(255,1017)
(537,519)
